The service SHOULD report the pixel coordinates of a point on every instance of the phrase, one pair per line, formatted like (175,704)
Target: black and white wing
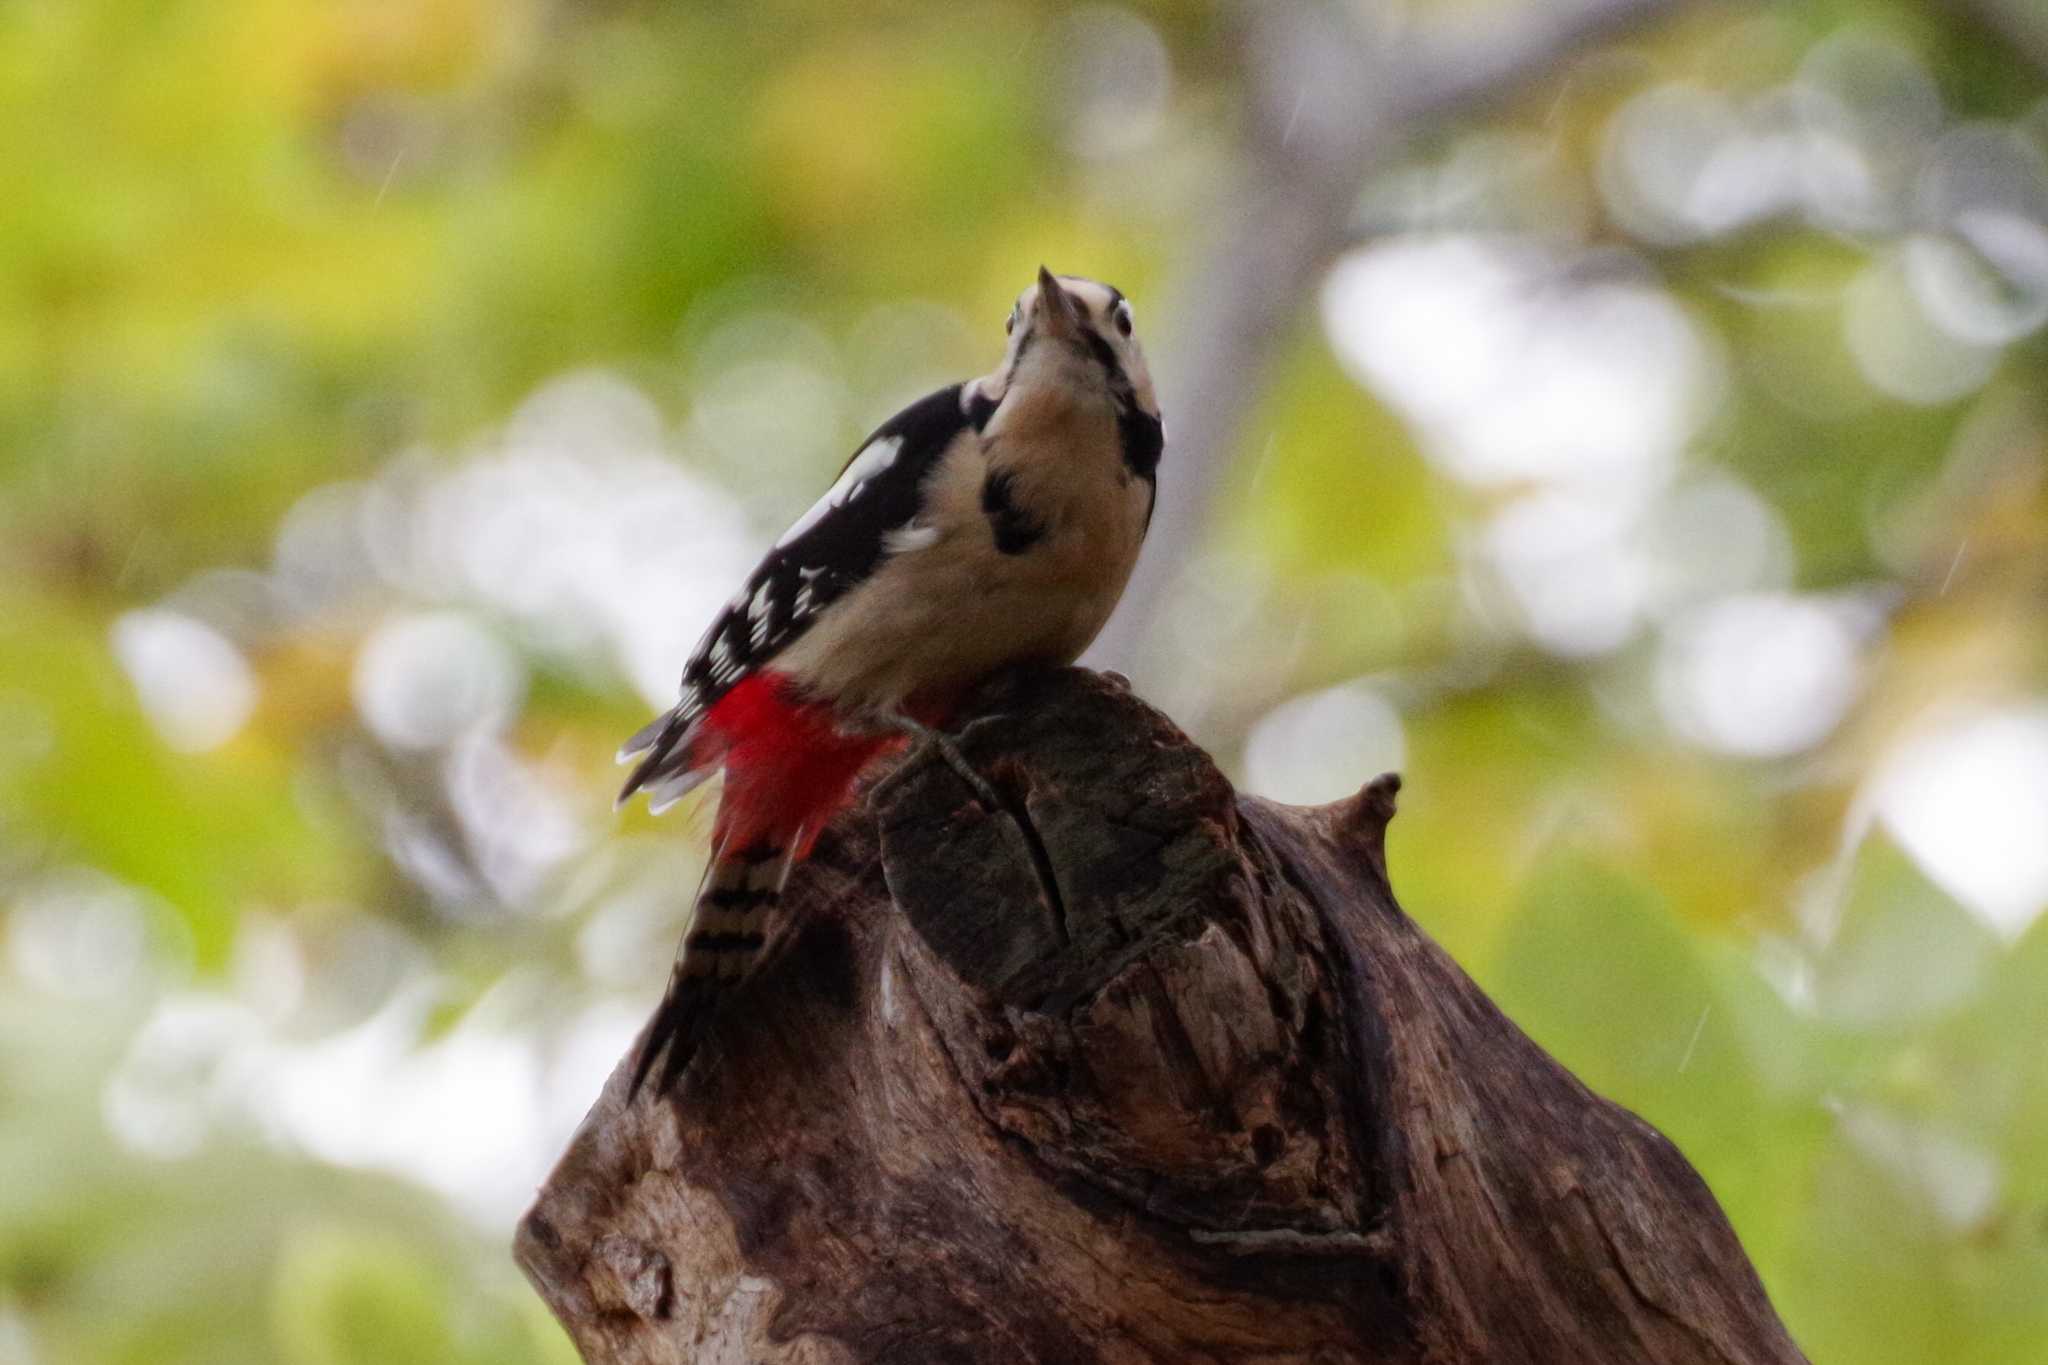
(863,517)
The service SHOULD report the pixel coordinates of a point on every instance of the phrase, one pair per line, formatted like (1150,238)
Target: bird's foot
(926,739)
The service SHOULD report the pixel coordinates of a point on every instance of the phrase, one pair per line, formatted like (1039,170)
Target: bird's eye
(1123,319)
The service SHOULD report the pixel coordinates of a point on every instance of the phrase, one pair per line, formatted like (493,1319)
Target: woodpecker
(994,522)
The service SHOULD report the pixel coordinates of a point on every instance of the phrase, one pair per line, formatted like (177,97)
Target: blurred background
(1624,417)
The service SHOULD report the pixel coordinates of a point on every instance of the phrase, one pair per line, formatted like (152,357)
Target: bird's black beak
(1062,316)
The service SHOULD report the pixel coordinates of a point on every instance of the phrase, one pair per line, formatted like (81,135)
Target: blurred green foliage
(286,286)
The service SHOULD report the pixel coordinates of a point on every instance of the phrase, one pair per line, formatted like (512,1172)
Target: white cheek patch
(872,460)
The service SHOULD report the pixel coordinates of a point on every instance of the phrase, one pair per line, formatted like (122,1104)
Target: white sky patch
(1581,569)
(194,685)
(1958,1180)
(478,1114)
(1570,567)
(1714,534)
(1118,77)
(897,352)
(423,679)
(1968,801)
(1324,745)
(1513,370)
(1656,151)
(1900,349)
(628,938)
(584,1053)
(579,525)
(519,825)
(1758,675)
(269,973)
(1954,279)
(163,1100)
(79,932)
(370,1097)
(17,1338)
(769,401)
(1838,144)
(1679,163)
(1985,278)
(319,560)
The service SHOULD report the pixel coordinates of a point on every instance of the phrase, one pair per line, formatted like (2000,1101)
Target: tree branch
(2020,25)
(1329,97)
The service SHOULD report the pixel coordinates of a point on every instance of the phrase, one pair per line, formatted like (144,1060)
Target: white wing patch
(758,612)
(724,667)
(872,460)
(910,536)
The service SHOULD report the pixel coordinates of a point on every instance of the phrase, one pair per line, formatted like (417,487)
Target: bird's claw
(939,742)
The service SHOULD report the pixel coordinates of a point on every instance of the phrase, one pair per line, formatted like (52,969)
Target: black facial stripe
(1142,437)
(1105,355)
(1014,529)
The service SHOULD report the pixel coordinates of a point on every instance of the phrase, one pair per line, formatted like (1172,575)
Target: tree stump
(1134,1069)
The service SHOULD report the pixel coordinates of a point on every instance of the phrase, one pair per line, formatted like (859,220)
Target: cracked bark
(1135,1069)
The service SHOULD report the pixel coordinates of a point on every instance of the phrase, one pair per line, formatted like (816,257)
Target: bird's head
(1075,333)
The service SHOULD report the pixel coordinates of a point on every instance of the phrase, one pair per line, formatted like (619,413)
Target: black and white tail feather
(736,918)
(666,767)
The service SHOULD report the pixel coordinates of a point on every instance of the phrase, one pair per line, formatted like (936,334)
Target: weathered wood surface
(1138,1069)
